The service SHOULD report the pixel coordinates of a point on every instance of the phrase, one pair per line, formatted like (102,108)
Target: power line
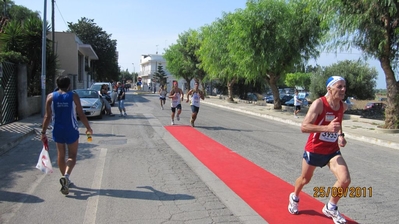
(60,14)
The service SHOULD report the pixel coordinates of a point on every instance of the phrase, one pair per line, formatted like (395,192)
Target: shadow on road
(81,193)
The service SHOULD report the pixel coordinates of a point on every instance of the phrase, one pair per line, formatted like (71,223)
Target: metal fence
(8,93)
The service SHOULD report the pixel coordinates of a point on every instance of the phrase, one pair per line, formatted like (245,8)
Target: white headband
(332,80)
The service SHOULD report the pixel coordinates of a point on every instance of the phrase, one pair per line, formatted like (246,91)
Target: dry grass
(359,104)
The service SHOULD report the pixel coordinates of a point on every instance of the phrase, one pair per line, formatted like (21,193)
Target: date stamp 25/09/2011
(351,192)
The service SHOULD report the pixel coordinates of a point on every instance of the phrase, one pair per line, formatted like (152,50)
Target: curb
(9,145)
(376,141)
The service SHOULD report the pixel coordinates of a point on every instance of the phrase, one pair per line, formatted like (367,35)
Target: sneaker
(178,118)
(111,115)
(161,107)
(334,214)
(172,122)
(293,205)
(64,185)
(125,114)
(120,115)
(192,122)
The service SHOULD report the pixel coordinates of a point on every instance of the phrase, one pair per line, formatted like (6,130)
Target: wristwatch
(342,134)
(43,132)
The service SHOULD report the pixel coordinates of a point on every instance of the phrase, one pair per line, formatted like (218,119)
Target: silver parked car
(111,91)
(91,101)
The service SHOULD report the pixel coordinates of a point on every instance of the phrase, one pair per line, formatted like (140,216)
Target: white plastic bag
(44,162)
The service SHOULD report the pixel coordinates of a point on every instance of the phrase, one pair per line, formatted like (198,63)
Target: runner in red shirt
(323,122)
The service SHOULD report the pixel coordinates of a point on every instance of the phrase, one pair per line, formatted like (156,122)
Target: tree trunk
(392,108)
(187,85)
(230,90)
(272,81)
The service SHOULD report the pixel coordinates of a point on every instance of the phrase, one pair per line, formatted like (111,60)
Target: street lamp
(134,75)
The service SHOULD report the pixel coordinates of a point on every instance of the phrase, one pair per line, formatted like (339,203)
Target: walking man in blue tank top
(62,106)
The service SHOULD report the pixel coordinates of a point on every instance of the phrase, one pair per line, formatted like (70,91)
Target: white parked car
(91,101)
(111,92)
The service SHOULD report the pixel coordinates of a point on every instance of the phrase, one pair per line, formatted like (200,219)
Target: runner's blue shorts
(194,109)
(65,135)
(319,159)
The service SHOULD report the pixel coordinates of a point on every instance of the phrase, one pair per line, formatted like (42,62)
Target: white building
(149,66)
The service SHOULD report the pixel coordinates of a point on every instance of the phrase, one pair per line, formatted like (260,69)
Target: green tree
(179,58)
(360,79)
(106,68)
(125,75)
(160,75)
(298,79)
(371,26)
(215,53)
(25,38)
(272,36)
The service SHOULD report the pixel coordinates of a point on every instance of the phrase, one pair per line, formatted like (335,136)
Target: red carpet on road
(266,193)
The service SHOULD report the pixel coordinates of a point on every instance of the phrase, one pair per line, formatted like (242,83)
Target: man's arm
(315,110)
(188,94)
(172,93)
(202,95)
(48,113)
(182,94)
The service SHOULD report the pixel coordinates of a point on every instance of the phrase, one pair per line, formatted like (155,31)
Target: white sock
(331,206)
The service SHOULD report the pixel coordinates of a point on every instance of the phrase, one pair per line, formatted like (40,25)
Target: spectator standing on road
(197,95)
(324,123)
(62,106)
(162,95)
(297,104)
(121,99)
(177,95)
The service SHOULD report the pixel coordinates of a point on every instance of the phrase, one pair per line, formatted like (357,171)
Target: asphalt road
(133,172)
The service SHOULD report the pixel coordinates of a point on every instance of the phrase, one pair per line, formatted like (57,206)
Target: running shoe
(178,118)
(125,114)
(64,185)
(334,214)
(293,205)
(172,122)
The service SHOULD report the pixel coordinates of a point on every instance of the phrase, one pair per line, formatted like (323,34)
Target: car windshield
(87,93)
(96,87)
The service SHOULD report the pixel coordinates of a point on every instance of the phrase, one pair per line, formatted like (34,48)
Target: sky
(150,26)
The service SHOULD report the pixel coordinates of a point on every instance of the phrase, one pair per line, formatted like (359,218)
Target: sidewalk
(357,128)
(354,127)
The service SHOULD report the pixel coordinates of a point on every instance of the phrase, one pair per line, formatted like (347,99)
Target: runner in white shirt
(297,104)
(162,95)
(176,94)
(195,101)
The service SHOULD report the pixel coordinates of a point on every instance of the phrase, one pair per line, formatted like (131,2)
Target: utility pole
(53,38)
(43,78)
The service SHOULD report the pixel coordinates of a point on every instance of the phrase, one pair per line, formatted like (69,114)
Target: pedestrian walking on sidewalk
(162,95)
(297,104)
(62,106)
(177,95)
(196,95)
(324,123)
(121,99)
